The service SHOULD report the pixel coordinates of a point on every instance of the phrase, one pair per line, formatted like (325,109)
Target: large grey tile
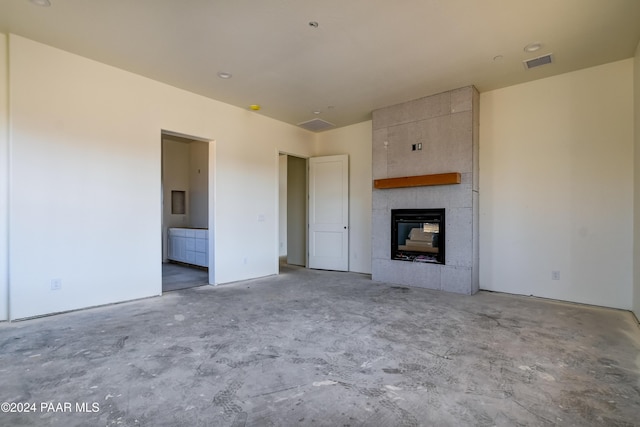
(459,237)
(379,199)
(457,280)
(381,235)
(462,99)
(432,106)
(379,154)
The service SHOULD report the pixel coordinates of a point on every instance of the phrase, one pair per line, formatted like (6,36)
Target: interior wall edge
(212,212)
(636,184)
(5,177)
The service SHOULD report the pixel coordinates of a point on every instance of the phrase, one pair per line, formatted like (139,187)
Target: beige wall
(198,184)
(556,187)
(282,205)
(175,177)
(4,181)
(85,180)
(636,198)
(355,141)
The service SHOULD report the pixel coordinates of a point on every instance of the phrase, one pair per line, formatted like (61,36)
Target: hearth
(418,235)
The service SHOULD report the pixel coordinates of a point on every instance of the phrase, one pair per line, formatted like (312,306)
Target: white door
(329,212)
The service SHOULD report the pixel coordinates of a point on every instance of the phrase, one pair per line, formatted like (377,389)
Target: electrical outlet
(56,284)
(555,275)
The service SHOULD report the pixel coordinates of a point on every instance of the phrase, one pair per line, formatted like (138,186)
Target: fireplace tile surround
(447,126)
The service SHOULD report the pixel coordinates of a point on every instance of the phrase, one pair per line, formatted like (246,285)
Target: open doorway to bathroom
(292,245)
(185,212)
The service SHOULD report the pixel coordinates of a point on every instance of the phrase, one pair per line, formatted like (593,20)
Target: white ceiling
(364,54)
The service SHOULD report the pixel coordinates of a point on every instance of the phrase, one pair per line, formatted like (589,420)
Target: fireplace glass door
(418,235)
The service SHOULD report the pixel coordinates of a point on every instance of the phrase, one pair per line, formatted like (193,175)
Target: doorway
(314,212)
(292,211)
(185,212)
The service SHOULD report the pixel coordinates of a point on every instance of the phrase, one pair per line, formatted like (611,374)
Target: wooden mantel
(418,181)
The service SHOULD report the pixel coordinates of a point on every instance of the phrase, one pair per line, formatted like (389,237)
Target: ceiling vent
(539,61)
(316,125)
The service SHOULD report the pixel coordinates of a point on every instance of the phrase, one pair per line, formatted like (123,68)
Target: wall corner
(636,184)
(4,177)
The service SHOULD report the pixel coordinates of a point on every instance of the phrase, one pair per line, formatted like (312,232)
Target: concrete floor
(316,348)
(179,276)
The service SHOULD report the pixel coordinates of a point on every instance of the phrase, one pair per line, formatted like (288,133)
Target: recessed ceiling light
(224,75)
(532,47)
(498,58)
(316,112)
(254,107)
(314,24)
(42,3)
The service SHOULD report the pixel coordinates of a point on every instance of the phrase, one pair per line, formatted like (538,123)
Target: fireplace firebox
(418,235)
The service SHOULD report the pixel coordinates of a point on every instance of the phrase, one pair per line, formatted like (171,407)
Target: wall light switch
(419,145)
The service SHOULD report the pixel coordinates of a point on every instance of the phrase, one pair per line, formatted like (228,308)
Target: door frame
(211,197)
(306,207)
(278,152)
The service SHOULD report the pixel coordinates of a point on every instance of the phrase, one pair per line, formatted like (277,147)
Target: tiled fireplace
(428,136)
